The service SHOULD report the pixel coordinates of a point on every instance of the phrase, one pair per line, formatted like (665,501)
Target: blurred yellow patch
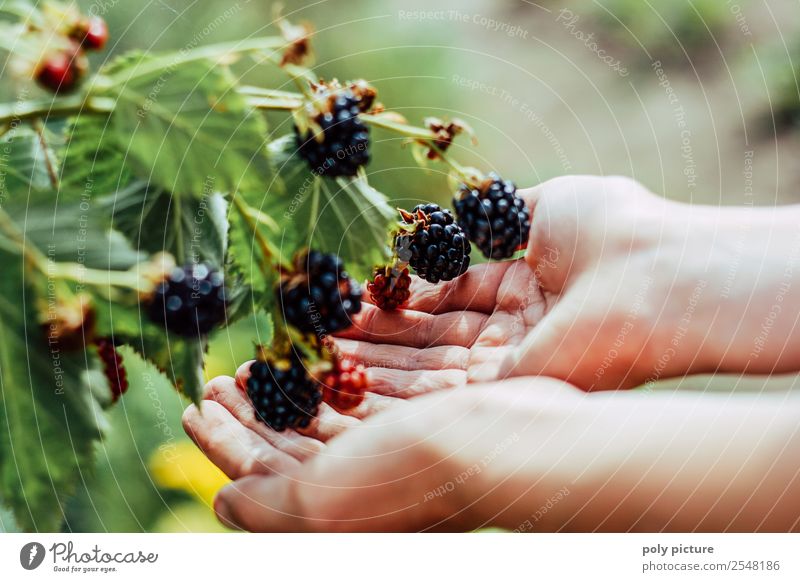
(191,517)
(181,465)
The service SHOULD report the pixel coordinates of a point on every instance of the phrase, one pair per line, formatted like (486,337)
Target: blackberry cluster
(190,301)
(494,217)
(345,138)
(437,250)
(344,387)
(389,288)
(283,394)
(112,367)
(320,297)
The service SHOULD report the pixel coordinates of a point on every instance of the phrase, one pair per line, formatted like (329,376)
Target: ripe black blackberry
(437,248)
(343,146)
(283,394)
(190,301)
(494,217)
(319,297)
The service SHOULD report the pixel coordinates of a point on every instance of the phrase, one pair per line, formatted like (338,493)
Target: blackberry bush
(283,394)
(191,301)
(436,247)
(319,297)
(341,146)
(95,216)
(494,217)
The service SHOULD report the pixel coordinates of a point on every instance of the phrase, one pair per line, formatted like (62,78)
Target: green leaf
(185,128)
(343,216)
(92,163)
(76,232)
(258,324)
(23,164)
(191,229)
(179,359)
(154,220)
(48,418)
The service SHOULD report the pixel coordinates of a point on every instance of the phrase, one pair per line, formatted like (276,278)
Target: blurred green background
(549,88)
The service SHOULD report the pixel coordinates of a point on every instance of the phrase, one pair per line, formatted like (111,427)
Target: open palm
(445,330)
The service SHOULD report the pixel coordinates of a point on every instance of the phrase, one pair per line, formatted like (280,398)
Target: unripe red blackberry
(389,288)
(113,367)
(191,301)
(283,394)
(494,217)
(319,297)
(91,33)
(344,386)
(62,71)
(436,248)
(343,145)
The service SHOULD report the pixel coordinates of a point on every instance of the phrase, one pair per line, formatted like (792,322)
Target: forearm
(665,462)
(734,302)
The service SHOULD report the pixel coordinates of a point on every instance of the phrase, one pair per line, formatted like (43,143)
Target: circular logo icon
(31,555)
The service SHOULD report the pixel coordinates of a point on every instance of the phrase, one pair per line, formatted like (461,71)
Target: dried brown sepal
(298,37)
(70,326)
(445,132)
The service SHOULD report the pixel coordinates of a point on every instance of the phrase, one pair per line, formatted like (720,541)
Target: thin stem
(18,9)
(98,278)
(171,62)
(49,163)
(31,254)
(274,103)
(11,113)
(244,210)
(401,128)
(427,137)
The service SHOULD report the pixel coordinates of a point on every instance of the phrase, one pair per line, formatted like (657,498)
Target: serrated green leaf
(48,418)
(185,128)
(345,216)
(24,164)
(179,359)
(246,259)
(76,232)
(92,163)
(154,220)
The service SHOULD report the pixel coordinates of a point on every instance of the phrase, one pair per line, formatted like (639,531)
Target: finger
(475,290)
(224,390)
(348,491)
(329,423)
(407,384)
(415,328)
(403,357)
(232,447)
